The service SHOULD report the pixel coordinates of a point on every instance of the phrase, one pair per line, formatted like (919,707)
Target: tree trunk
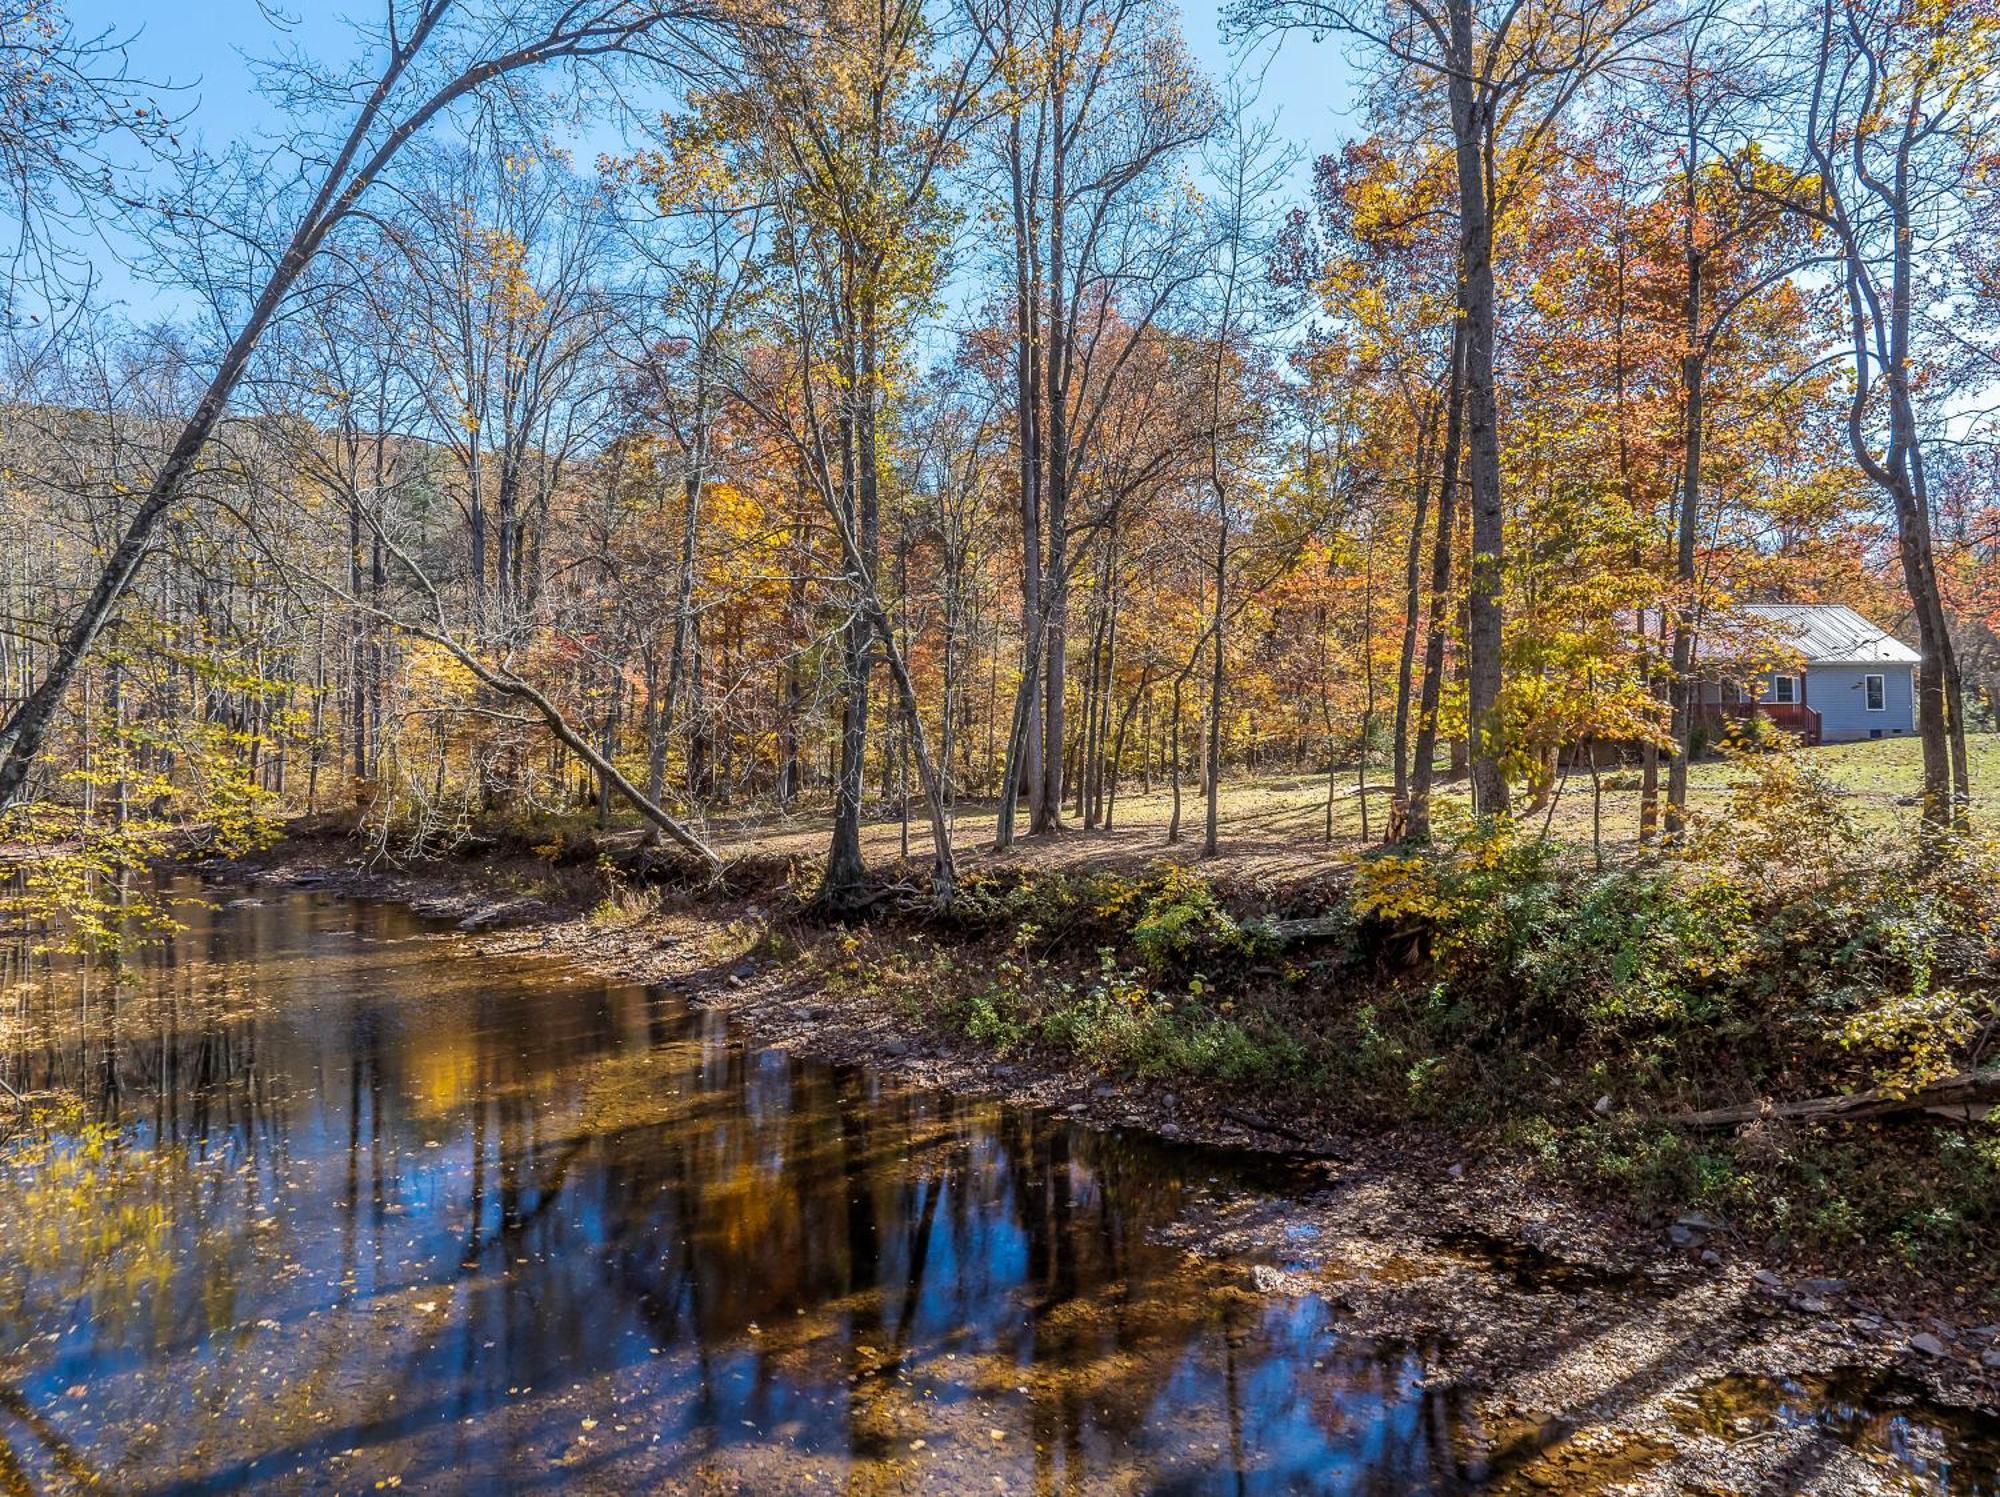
(1213,768)
(1424,753)
(1472,129)
(840,885)
(1413,573)
(1681,686)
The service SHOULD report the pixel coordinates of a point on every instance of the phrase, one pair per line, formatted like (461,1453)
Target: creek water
(349,1206)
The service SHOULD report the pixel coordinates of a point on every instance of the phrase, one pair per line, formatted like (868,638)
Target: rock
(1266,1279)
(1990,1359)
(1767,1279)
(734,980)
(895,1047)
(1457,1172)
(1823,1286)
(1602,1106)
(1711,1257)
(1807,1304)
(1681,1236)
(1926,1343)
(1694,1221)
(743,970)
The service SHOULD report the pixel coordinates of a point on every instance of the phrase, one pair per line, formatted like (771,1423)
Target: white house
(1840,677)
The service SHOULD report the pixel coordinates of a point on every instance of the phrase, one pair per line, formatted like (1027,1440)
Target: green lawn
(1878,775)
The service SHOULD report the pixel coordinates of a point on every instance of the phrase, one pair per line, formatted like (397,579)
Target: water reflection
(404,1213)
(1930,1451)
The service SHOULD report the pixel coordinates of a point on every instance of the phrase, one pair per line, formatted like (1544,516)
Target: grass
(1274,826)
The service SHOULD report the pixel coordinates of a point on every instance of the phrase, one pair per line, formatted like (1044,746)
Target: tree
(1376,255)
(846,127)
(1234,319)
(1508,73)
(68,101)
(1098,100)
(1900,126)
(434,54)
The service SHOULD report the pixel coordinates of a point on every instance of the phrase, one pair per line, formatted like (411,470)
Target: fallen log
(1964,1096)
(1315,927)
(1258,1123)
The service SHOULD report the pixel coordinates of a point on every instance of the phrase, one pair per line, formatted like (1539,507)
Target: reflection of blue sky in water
(483,1226)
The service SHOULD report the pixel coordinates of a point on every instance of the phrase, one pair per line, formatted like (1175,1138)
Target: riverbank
(477,1215)
(895,995)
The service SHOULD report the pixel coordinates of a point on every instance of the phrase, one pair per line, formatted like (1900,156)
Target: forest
(966,498)
(951,402)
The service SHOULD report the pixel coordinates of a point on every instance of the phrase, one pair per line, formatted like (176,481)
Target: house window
(1874,691)
(1785,690)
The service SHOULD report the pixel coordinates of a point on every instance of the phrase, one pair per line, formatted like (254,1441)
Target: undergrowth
(1503,986)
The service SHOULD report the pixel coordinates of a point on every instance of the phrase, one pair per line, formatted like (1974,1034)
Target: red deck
(1795,718)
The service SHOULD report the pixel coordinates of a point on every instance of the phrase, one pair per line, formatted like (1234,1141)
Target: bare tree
(432,54)
(1100,250)
(1900,126)
(69,106)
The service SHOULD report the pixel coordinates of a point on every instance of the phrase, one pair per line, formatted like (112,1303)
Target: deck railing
(1796,718)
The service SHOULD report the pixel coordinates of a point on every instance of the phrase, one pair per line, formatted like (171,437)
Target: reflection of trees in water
(38,1432)
(178,1050)
(828,1200)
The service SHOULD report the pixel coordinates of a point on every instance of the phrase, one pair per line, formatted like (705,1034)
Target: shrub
(1184,917)
(1770,951)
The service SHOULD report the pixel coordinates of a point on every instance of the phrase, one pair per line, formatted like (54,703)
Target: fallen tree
(1966,1095)
(499,679)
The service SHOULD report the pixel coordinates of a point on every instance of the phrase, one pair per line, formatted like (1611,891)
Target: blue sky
(205,47)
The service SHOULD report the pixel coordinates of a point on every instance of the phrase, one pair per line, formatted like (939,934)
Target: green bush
(1772,951)
(1183,917)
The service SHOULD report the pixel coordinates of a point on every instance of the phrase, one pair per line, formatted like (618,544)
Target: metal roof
(1827,633)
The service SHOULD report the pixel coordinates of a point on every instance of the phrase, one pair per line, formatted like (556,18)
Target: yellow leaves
(694,167)
(1785,820)
(503,264)
(1397,888)
(433,676)
(1916,1037)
